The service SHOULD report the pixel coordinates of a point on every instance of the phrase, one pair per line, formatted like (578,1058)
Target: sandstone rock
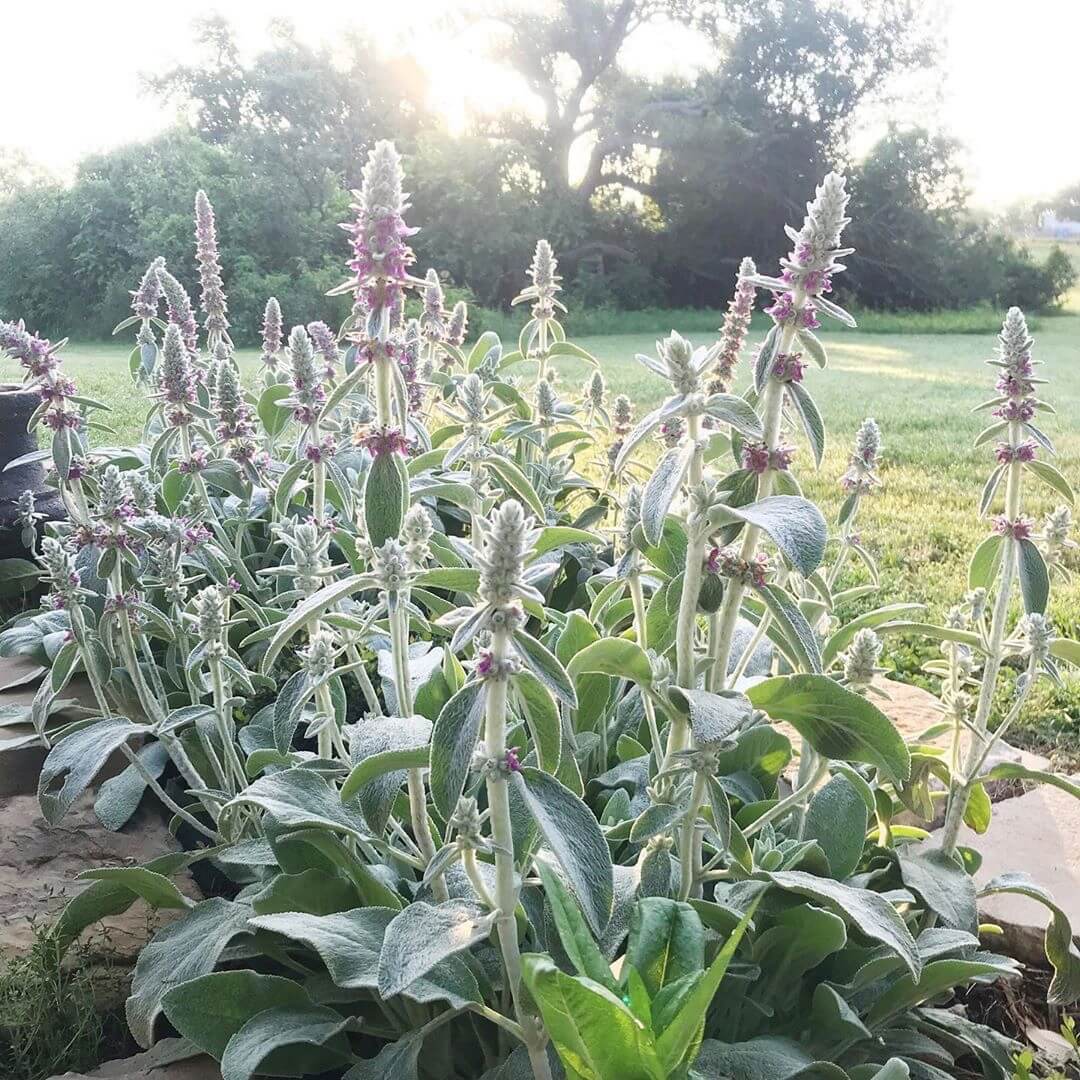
(164,1061)
(39,864)
(1038,833)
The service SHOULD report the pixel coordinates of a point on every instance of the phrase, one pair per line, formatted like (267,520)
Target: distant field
(920,387)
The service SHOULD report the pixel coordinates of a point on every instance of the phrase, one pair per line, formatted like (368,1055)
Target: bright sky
(69,82)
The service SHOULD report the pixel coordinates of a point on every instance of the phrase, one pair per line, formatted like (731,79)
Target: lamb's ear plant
(493,794)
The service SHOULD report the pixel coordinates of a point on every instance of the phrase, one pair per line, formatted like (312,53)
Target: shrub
(478,717)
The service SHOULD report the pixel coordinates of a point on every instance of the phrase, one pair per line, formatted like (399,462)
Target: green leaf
(553,537)
(386,498)
(384,748)
(1034,578)
(714,717)
(681,1038)
(935,979)
(1049,475)
(274,417)
(313,1026)
(737,412)
(574,932)
(545,666)
(424,934)
(156,889)
(453,743)
(843,637)
(455,578)
(768,1057)
(75,760)
(349,943)
(797,632)
(301,799)
(870,912)
(836,722)
(573,836)
(514,480)
(613,656)
(984,563)
(666,942)
(812,423)
(596,1035)
(395,1061)
(181,951)
(836,819)
(944,885)
(1060,949)
(211,1009)
(289,707)
(794,524)
(1009,770)
(314,890)
(542,717)
(305,612)
(662,487)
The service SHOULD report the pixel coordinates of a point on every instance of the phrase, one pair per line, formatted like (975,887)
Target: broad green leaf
(424,934)
(386,498)
(1011,770)
(768,1057)
(944,885)
(305,612)
(545,666)
(395,1061)
(613,656)
(318,1028)
(181,951)
(662,487)
(383,748)
(274,417)
(596,1035)
(798,635)
(666,943)
(301,799)
(1050,475)
(868,911)
(515,482)
(679,1042)
(314,890)
(573,836)
(794,524)
(714,717)
(349,943)
(1034,577)
(574,932)
(75,760)
(210,1009)
(453,743)
(553,537)
(836,819)
(156,889)
(812,424)
(542,718)
(935,979)
(984,563)
(1062,953)
(836,722)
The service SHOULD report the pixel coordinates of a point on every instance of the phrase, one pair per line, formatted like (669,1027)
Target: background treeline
(651,193)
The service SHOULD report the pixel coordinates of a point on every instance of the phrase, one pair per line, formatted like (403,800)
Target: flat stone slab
(1037,833)
(157,1063)
(39,863)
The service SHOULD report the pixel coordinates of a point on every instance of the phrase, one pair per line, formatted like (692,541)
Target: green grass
(921,389)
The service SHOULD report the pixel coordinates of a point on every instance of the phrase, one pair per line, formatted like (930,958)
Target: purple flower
(385,441)
(513,764)
(179,310)
(1016,410)
(788,367)
(1019,529)
(147,297)
(322,337)
(1007,454)
(206,254)
(736,326)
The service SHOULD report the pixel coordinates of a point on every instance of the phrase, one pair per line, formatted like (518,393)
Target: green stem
(506,895)
(687,834)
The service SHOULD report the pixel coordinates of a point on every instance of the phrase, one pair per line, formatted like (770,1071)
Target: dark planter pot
(16,407)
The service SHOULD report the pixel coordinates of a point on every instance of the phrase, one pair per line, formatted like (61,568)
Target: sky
(69,84)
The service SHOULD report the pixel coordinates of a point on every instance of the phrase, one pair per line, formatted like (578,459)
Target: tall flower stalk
(798,297)
(213,291)
(1015,559)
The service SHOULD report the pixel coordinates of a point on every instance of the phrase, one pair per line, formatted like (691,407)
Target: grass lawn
(921,389)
